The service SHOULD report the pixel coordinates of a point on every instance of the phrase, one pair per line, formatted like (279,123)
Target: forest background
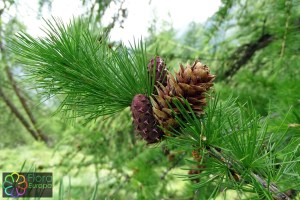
(252,47)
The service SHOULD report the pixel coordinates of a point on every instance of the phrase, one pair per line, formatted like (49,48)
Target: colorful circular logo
(15,185)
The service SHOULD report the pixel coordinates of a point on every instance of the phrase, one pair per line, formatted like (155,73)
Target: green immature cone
(143,119)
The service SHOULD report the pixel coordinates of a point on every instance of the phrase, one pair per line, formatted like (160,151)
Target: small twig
(115,18)
(175,163)
(195,195)
(92,10)
(288,7)
(127,179)
(272,187)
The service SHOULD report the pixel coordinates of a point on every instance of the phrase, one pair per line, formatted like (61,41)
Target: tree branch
(21,98)
(116,17)
(244,53)
(14,110)
(271,187)
(37,133)
(6,100)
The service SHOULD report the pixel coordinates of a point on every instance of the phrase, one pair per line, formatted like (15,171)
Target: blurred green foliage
(107,154)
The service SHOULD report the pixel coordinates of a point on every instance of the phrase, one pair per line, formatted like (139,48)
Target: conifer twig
(272,187)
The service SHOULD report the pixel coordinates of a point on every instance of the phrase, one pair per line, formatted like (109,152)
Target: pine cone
(191,83)
(143,119)
(160,71)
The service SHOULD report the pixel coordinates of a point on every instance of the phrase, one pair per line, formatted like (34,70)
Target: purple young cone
(161,70)
(143,119)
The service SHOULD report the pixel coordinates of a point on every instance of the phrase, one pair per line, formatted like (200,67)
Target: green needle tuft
(93,78)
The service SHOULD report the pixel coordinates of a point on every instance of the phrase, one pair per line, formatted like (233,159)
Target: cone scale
(190,83)
(143,119)
(160,70)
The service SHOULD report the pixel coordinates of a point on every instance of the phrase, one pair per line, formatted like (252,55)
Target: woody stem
(277,195)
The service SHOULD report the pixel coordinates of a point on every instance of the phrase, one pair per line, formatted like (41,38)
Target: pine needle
(92,78)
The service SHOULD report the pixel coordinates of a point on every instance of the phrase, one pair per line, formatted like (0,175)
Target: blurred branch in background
(244,53)
(119,17)
(31,126)
(98,9)
(18,115)
(39,132)
(253,45)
